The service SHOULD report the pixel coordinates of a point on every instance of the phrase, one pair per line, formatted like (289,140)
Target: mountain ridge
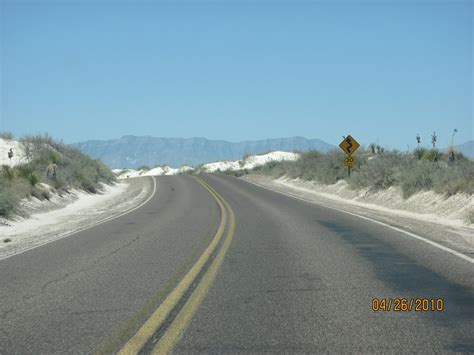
(466,148)
(131,151)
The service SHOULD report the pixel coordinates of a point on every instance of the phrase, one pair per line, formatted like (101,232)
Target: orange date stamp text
(407,304)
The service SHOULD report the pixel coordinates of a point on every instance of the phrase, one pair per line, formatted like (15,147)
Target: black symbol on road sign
(349,145)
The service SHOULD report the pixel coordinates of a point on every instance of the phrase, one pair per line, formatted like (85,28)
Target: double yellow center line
(173,332)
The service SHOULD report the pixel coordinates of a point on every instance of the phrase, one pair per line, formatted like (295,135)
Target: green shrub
(33,179)
(425,169)
(458,156)
(8,136)
(381,172)
(74,170)
(236,173)
(470,215)
(455,177)
(8,173)
(325,168)
(420,152)
(416,177)
(59,185)
(243,160)
(40,194)
(87,178)
(27,172)
(9,202)
(24,170)
(40,141)
(434,155)
(54,157)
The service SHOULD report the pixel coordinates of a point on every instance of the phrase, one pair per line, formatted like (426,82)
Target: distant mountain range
(467,149)
(133,151)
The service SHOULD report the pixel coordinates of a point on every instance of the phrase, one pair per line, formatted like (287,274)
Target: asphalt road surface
(218,265)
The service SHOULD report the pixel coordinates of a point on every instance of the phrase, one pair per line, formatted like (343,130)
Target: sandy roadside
(62,216)
(443,219)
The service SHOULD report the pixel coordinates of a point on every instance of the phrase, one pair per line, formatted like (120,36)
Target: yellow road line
(136,343)
(169,339)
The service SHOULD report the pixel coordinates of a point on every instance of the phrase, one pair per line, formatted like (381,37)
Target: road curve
(285,276)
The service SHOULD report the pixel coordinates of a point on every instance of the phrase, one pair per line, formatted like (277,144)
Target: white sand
(249,162)
(67,214)
(426,205)
(18,152)
(158,171)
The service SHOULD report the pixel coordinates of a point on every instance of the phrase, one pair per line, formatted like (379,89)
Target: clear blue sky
(238,70)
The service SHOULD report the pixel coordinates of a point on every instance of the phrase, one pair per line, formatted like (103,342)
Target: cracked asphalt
(72,295)
(297,278)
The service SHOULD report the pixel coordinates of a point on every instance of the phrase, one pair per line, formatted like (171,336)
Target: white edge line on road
(413,235)
(91,226)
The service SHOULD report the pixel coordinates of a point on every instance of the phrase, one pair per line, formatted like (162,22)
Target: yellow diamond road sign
(349,145)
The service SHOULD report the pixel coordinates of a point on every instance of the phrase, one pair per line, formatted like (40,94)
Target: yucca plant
(8,173)
(419,152)
(33,179)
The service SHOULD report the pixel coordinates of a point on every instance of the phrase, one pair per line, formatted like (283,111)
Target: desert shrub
(236,173)
(7,173)
(32,179)
(325,168)
(74,170)
(381,172)
(27,172)
(371,147)
(87,184)
(272,168)
(458,156)
(40,141)
(417,176)
(439,176)
(420,152)
(104,174)
(470,215)
(434,155)
(59,185)
(9,202)
(54,157)
(425,169)
(244,159)
(455,177)
(86,177)
(24,170)
(40,194)
(7,136)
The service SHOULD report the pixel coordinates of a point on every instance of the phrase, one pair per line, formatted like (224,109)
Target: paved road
(219,265)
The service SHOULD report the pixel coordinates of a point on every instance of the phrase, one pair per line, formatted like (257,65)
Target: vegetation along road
(214,264)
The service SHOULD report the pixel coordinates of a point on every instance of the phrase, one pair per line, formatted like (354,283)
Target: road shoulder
(72,213)
(450,234)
